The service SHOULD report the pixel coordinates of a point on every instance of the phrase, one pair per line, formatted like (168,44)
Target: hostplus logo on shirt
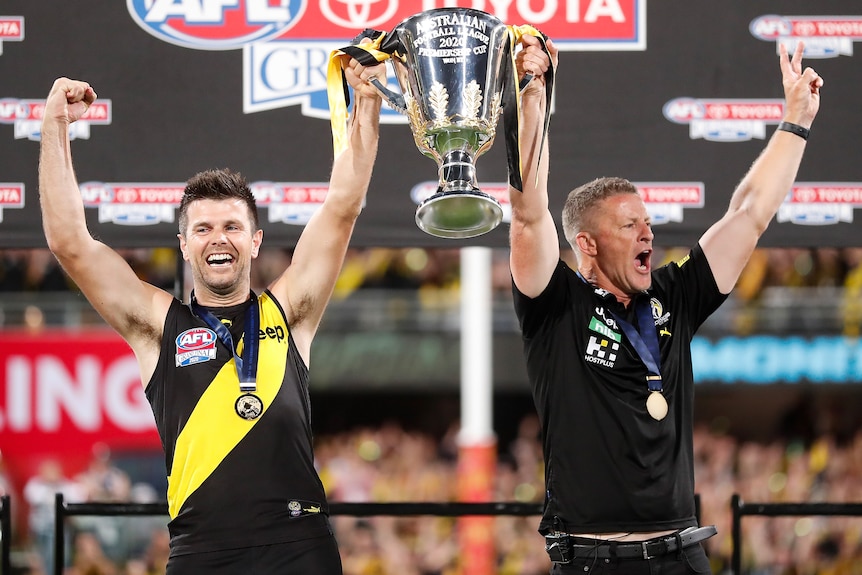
(602,348)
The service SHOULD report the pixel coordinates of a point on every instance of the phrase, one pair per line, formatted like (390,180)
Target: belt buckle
(646,554)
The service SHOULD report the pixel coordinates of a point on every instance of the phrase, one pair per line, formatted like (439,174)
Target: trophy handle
(384,45)
(336,86)
(395,100)
(519,31)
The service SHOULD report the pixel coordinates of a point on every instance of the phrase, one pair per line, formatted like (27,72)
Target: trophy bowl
(451,66)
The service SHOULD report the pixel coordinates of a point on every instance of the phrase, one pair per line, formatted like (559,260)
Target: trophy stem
(457,172)
(459,209)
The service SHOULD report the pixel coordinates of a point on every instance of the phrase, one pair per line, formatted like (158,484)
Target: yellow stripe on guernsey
(214,428)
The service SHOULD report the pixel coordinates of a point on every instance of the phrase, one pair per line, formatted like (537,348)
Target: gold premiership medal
(656,405)
(249,406)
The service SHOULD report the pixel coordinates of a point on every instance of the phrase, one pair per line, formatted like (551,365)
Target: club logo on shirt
(658,314)
(602,349)
(195,346)
(301,508)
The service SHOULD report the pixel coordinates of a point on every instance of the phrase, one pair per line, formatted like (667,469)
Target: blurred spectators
(39,493)
(31,270)
(154,558)
(415,268)
(781,472)
(5,483)
(852,304)
(102,481)
(432,277)
(88,558)
(373,464)
(390,464)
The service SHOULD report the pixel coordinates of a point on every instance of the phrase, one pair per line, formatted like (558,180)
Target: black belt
(648,549)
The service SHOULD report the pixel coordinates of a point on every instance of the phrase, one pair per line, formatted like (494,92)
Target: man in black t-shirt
(608,344)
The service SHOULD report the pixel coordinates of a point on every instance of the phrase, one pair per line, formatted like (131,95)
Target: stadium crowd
(434,271)
(391,463)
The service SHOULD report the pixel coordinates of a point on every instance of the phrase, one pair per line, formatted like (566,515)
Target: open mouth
(642,261)
(216,260)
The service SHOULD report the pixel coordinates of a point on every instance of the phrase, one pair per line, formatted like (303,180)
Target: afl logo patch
(195,345)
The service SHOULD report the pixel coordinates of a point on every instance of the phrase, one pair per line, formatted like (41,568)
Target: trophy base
(459,214)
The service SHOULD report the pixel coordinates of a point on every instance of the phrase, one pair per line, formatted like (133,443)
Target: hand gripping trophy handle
(457,73)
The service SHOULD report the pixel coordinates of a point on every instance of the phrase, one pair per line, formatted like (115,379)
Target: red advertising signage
(218,25)
(62,393)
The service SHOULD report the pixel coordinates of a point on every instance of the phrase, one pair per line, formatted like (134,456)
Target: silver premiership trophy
(451,79)
(456,73)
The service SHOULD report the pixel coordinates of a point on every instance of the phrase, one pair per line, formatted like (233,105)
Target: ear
(256,240)
(586,243)
(183,246)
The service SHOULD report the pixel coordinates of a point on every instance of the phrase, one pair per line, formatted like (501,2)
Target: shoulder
(270,308)
(688,269)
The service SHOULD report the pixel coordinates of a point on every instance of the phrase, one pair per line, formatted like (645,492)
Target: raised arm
(730,242)
(304,289)
(534,243)
(132,307)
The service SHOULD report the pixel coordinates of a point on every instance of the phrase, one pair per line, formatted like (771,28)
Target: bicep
(728,245)
(304,288)
(535,252)
(127,303)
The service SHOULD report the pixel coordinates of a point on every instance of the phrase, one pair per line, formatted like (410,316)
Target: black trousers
(691,560)
(317,556)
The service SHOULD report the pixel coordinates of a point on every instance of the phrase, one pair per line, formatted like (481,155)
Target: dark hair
(580,203)
(216,185)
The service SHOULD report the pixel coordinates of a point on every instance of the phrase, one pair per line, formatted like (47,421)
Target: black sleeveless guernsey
(233,482)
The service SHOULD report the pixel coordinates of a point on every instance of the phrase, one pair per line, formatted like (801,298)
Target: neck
(209,298)
(597,280)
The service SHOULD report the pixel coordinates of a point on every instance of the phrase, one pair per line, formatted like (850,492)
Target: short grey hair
(578,209)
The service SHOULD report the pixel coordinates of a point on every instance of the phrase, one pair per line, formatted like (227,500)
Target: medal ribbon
(645,341)
(246,366)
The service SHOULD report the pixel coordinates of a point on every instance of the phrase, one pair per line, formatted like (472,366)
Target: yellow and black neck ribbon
(512,103)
